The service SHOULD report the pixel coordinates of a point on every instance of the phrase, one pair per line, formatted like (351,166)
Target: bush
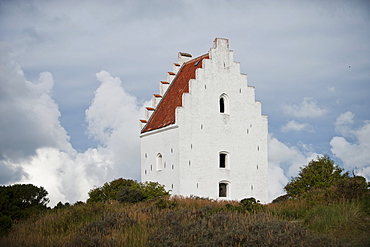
(98,233)
(365,203)
(282,198)
(109,190)
(152,190)
(130,195)
(245,205)
(123,188)
(200,228)
(5,224)
(351,188)
(60,205)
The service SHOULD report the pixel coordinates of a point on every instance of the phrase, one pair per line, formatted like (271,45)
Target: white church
(204,134)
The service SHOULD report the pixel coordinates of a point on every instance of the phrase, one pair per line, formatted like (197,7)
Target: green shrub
(282,198)
(60,205)
(109,190)
(130,195)
(317,174)
(152,190)
(245,205)
(365,203)
(126,187)
(200,228)
(5,224)
(351,188)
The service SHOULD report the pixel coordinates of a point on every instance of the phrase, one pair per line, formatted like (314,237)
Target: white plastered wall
(201,132)
(165,142)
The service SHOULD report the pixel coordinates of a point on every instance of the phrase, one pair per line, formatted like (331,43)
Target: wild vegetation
(127,213)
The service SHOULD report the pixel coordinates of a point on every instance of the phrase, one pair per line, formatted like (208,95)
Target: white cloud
(62,37)
(331,89)
(307,109)
(29,116)
(284,163)
(355,155)
(35,148)
(295,126)
(113,120)
(344,122)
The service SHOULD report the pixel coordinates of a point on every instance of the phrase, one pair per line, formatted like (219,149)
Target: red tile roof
(164,114)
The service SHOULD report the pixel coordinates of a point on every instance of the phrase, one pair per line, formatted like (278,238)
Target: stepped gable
(164,114)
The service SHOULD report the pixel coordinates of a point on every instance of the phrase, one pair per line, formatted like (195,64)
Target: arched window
(159,162)
(224,104)
(223,189)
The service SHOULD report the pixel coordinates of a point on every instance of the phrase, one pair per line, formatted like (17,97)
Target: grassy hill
(181,221)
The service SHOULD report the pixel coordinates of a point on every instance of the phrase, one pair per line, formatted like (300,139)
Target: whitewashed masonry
(204,134)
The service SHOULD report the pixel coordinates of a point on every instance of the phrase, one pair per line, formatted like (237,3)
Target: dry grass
(176,222)
(342,219)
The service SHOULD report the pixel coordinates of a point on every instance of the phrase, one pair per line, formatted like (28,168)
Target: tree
(60,205)
(351,188)
(19,201)
(120,189)
(109,190)
(129,194)
(318,174)
(152,190)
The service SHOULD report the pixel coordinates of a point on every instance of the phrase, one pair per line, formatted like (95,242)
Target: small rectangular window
(222,160)
(222,105)
(222,190)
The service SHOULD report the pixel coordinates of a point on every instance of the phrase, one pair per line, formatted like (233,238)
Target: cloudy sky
(75,75)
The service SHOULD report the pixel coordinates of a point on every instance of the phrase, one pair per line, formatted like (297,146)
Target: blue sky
(75,76)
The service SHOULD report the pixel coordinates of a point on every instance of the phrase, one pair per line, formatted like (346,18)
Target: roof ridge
(165,111)
(191,60)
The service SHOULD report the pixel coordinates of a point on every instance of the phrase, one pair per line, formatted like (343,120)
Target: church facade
(204,134)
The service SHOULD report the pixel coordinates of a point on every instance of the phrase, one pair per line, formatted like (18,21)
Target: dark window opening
(222,187)
(222,105)
(159,162)
(222,160)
